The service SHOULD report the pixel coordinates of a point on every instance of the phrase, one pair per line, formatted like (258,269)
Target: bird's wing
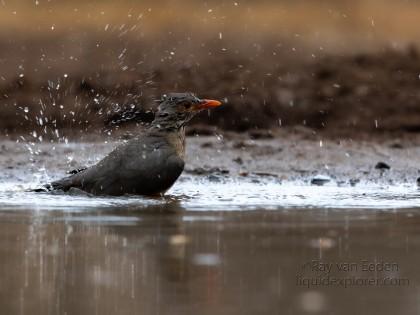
(138,159)
(85,178)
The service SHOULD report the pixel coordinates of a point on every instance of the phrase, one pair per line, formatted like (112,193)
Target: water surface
(195,252)
(221,194)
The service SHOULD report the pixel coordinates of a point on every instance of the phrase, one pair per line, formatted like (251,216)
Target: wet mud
(286,155)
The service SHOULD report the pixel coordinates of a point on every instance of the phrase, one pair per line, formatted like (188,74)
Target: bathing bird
(148,164)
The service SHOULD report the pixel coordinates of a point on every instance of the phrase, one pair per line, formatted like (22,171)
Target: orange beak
(208,104)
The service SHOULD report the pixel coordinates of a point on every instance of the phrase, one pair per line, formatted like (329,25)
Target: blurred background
(79,66)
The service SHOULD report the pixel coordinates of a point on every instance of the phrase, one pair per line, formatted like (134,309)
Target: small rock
(300,171)
(261,134)
(207,171)
(242,145)
(382,166)
(207,145)
(238,160)
(320,180)
(396,145)
(265,174)
(45,153)
(354,181)
(221,171)
(197,171)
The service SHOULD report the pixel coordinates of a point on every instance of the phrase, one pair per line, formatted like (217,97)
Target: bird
(148,164)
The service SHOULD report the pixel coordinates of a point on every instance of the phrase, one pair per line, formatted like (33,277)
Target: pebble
(260,134)
(243,145)
(207,171)
(238,160)
(207,145)
(320,180)
(396,145)
(382,166)
(354,181)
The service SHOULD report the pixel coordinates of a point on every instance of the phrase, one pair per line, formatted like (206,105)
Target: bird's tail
(43,188)
(63,184)
(47,187)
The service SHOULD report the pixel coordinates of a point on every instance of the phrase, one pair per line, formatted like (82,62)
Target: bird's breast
(177,141)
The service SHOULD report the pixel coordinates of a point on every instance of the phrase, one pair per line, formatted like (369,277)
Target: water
(195,252)
(195,194)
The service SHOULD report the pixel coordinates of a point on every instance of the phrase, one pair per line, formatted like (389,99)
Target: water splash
(197,194)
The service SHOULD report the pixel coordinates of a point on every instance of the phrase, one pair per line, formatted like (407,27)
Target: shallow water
(188,253)
(195,194)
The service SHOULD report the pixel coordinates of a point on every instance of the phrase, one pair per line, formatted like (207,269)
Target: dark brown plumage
(148,164)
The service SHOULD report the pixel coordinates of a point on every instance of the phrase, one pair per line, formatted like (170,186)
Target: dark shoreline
(359,93)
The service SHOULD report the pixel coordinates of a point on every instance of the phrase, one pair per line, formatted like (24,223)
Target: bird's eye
(187,106)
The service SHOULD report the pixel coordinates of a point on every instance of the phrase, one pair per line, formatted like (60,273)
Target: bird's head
(176,109)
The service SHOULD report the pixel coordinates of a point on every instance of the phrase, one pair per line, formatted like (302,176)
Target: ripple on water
(198,194)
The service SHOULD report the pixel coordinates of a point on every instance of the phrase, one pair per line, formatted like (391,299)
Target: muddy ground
(334,115)
(282,155)
(307,89)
